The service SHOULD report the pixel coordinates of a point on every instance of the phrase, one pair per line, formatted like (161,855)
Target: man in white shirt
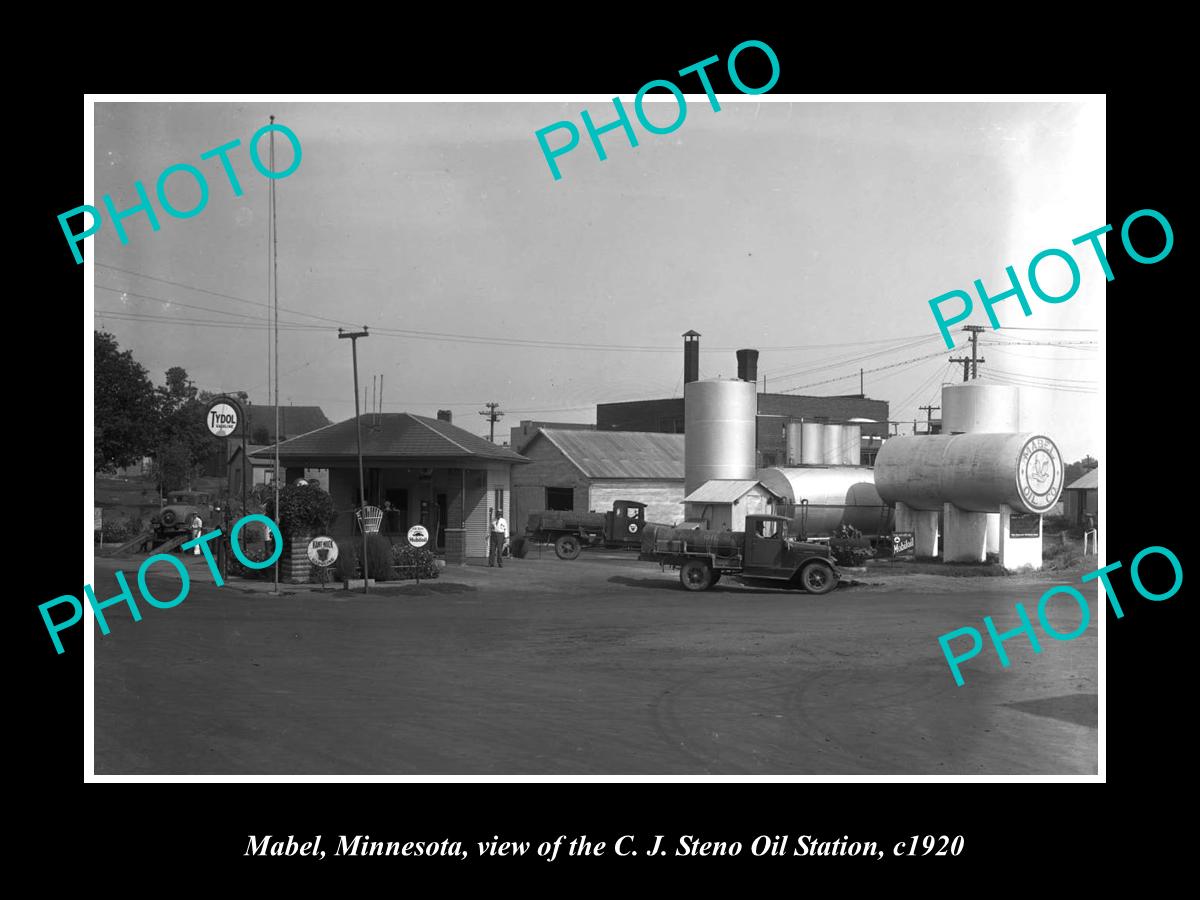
(498,537)
(197,525)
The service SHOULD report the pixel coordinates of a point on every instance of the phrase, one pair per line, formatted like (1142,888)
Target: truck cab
(625,522)
(771,553)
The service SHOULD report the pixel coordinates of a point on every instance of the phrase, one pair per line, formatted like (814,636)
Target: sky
(815,232)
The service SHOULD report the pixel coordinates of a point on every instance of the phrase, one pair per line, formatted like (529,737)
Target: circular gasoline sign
(418,536)
(322,551)
(1040,474)
(221,419)
(633,526)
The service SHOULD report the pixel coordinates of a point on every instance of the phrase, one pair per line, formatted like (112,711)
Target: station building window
(560,499)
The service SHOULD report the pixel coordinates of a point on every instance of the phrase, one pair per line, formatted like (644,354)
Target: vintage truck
(763,550)
(569,532)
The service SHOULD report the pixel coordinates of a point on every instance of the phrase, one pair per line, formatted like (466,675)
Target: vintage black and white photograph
(651,436)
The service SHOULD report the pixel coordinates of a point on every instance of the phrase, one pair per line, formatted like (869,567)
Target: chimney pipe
(691,357)
(445,415)
(748,365)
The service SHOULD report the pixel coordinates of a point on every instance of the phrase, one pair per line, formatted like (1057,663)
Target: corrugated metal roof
(724,491)
(1089,480)
(621,454)
(391,435)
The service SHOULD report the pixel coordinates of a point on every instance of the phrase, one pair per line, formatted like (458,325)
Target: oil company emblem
(221,419)
(418,536)
(633,527)
(1040,474)
(322,551)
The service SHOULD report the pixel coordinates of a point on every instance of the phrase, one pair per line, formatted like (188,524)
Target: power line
(855,374)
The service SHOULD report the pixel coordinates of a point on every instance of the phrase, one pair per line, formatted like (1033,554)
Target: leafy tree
(306,510)
(260,435)
(126,406)
(1076,470)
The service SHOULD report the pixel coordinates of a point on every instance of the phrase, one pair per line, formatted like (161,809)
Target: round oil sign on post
(322,551)
(221,419)
(418,536)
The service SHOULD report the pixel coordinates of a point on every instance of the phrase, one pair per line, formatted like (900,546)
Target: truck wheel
(818,578)
(696,575)
(567,547)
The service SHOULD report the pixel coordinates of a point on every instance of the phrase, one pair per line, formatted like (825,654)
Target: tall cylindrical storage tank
(812,443)
(851,445)
(977,408)
(795,443)
(831,444)
(719,431)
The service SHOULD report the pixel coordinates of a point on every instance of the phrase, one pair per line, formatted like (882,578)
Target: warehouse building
(428,471)
(584,470)
(775,411)
(528,429)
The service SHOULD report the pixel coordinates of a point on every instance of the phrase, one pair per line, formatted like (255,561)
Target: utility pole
(966,364)
(928,418)
(362,493)
(862,391)
(974,330)
(493,415)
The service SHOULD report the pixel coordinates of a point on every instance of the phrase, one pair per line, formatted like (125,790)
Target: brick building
(585,470)
(775,411)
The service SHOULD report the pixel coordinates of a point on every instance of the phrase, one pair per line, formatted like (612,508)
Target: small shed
(1081,498)
(724,504)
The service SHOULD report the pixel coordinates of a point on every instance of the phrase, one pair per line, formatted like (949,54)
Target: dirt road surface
(603,665)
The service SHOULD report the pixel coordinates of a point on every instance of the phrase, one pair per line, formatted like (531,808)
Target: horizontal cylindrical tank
(836,495)
(719,431)
(722,544)
(976,408)
(851,449)
(812,443)
(975,472)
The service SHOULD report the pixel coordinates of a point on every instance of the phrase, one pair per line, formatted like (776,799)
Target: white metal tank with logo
(975,472)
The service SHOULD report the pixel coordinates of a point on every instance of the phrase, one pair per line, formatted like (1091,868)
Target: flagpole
(275,269)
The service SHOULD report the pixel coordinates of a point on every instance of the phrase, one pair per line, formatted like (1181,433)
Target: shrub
(116,530)
(379,557)
(346,565)
(423,560)
(254,554)
(304,510)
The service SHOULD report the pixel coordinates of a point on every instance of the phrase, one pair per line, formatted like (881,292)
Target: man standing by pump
(498,536)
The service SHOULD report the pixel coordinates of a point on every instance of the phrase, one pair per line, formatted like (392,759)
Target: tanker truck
(763,550)
(619,528)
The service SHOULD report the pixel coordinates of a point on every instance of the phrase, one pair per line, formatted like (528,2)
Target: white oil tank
(795,441)
(719,431)
(831,445)
(851,454)
(812,443)
(973,407)
(836,495)
(975,472)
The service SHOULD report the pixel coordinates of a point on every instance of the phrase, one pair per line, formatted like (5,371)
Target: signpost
(222,418)
(418,537)
(322,553)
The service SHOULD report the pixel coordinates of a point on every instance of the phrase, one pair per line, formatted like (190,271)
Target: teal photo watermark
(622,120)
(1026,628)
(1065,258)
(221,153)
(126,595)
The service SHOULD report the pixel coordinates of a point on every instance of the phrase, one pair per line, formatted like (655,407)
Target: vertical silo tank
(812,443)
(831,444)
(719,431)
(977,408)
(851,454)
(795,443)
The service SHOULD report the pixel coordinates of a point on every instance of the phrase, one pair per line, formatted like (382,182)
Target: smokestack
(445,415)
(691,357)
(748,365)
